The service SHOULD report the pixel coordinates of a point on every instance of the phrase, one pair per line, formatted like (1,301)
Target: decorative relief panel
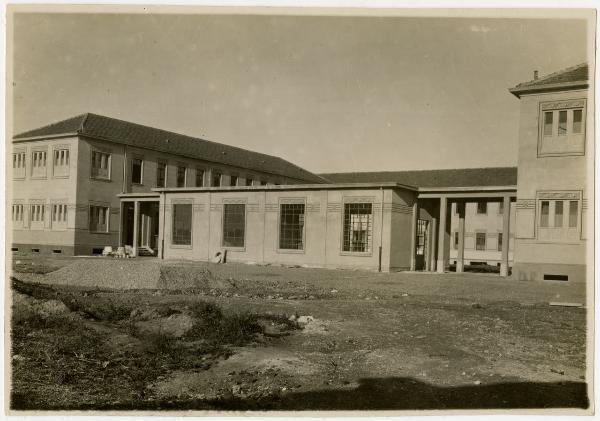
(578,103)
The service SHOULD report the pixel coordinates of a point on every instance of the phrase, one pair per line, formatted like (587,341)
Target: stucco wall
(47,189)
(538,174)
(323,227)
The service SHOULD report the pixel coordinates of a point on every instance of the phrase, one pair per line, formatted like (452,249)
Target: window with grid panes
(101,165)
(358,227)
(181,173)
(161,174)
(99,216)
(60,162)
(182,224)
(480,240)
(234,224)
(291,226)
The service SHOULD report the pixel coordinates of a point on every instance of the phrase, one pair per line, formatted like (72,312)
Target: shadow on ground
(392,393)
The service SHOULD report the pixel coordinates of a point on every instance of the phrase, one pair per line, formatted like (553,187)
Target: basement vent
(14,249)
(97,251)
(57,251)
(35,250)
(550,277)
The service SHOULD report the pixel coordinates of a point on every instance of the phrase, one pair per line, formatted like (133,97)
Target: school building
(93,181)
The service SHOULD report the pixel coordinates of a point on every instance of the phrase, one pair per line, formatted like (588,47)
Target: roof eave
(53,136)
(524,90)
(283,187)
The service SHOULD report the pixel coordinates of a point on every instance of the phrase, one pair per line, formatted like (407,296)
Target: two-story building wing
(67,175)
(553,195)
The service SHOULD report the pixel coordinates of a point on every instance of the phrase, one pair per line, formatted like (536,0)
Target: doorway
(421,254)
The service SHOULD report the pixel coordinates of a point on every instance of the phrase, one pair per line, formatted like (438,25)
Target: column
(505,236)
(413,242)
(432,245)
(136,223)
(120,224)
(460,261)
(441,256)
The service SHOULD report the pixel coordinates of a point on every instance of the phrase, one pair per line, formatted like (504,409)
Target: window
(136,171)
(481,207)
(562,123)
(456,241)
(17,213)
(59,214)
(99,216)
(233,180)
(249,181)
(573,211)
(101,165)
(38,164)
(358,227)
(578,121)
(181,173)
(291,226)
(19,165)
(61,162)
(234,224)
(161,174)
(480,241)
(182,224)
(545,214)
(558,214)
(263,183)
(216,179)
(500,208)
(37,213)
(499,241)
(548,123)
(199,177)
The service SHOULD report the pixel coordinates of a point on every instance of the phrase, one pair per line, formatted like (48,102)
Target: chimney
(535,75)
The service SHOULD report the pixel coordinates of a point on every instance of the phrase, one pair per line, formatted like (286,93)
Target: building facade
(66,178)
(554,197)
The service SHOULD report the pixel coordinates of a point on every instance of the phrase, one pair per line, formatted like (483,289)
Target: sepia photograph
(246,210)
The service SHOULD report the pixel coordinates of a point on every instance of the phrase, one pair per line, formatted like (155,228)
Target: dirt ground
(372,342)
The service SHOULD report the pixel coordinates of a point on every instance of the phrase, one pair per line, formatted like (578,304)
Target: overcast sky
(327,93)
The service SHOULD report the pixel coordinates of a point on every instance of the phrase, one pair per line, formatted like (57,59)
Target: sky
(328,93)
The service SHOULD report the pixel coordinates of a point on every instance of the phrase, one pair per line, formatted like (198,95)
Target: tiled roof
(467,177)
(119,131)
(571,75)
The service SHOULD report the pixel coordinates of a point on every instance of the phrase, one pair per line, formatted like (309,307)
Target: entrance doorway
(147,227)
(421,251)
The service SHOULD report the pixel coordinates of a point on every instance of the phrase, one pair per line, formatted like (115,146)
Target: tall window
(481,207)
(234,224)
(37,213)
(358,227)
(182,224)
(215,179)
(501,207)
(19,165)
(161,174)
(548,123)
(558,213)
(499,241)
(199,177)
(263,183)
(101,165)
(61,162)
(249,181)
(38,164)
(480,241)
(136,170)
(573,211)
(562,122)
(99,216)
(181,173)
(233,180)
(545,214)
(59,215)
(291,226)
(456,241)
(578,121)
(17,213)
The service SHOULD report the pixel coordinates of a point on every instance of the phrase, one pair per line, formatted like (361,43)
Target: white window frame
(105,206)
(36,153)
(109,164)
(66,168)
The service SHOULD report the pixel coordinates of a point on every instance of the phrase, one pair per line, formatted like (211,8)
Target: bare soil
(373,341)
